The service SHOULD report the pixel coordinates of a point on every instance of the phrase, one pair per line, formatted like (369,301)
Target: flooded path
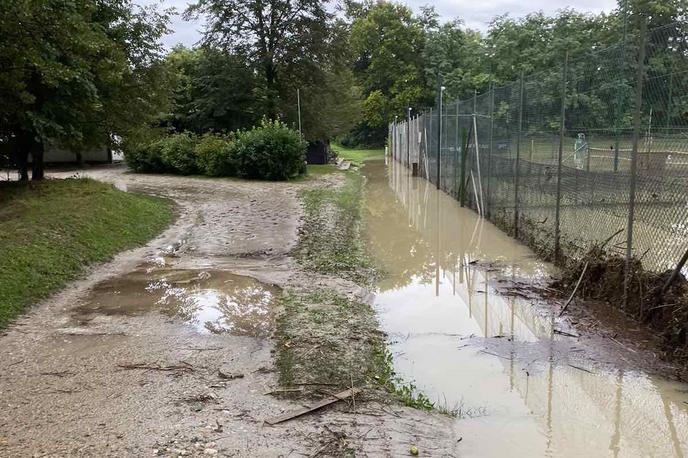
(167,349)
(520,380)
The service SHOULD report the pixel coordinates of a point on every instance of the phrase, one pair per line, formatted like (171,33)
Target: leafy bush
(178,153)
(271,151)
(145,157)
(214,156)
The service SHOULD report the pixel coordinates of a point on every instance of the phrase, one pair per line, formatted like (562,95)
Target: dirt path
(124,363)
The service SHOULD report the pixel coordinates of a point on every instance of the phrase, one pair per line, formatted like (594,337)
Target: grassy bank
(50,231)
(358,156)
(325,338)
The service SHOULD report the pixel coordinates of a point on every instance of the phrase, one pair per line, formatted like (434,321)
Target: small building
(93,156)
(318,152)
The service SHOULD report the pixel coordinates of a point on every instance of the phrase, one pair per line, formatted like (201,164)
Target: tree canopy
(77,72)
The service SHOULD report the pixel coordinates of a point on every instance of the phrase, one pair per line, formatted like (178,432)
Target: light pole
(439,131)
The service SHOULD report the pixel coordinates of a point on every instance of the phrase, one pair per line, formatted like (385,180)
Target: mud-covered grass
(50,231)
(329,238)
(327,340)
(331,342)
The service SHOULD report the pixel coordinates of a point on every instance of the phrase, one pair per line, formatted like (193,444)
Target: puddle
(211,301)
(519,388)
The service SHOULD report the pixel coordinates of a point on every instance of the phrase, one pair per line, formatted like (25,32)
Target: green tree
(280,38)
(215,91)
(387,41)
(76,72)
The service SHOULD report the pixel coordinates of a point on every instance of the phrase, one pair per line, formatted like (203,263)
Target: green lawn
(358,156)
(50,232)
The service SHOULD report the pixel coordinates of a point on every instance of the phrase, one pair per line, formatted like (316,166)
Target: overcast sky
(476,14)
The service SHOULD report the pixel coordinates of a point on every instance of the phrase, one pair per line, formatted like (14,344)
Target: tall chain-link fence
(567,157)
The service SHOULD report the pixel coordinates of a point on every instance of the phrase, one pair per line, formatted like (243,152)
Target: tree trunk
(22,147)
(23,163)
(38,167)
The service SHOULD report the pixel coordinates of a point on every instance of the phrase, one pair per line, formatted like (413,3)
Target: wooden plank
(319,405)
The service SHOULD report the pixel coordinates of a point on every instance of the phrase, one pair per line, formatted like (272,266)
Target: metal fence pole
(457,157)
(640,77)
(562,130)
(408,136)
(518,154)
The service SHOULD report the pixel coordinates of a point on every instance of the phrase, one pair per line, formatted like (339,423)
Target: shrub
(271,151)
(145,157)
(214,156)
(178,153)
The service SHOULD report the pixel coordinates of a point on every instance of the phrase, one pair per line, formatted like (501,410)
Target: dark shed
(318,152)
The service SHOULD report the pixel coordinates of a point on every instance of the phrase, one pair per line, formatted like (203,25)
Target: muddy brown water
(519,388)
(210,301)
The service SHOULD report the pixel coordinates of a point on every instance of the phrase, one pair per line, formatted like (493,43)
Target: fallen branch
(581,369)
(319,405)
(564,333)
(580,279)
(184,367)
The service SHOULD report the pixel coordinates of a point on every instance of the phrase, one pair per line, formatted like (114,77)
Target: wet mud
(461,304)
(166,349)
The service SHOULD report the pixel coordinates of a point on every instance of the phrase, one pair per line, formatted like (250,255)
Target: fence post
(517,170)
(562,130)
(464,153)
(408,137)
(490,152)
(640,77)
(457,157)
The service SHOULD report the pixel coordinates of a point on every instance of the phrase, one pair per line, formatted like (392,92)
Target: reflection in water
(212,301)
(522,390)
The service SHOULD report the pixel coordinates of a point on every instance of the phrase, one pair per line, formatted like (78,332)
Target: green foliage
(74,72)
(387,41)
(178,153)
(145,157)
(215,91)
(270,151)
(215,156)
(49,232)
(279,46)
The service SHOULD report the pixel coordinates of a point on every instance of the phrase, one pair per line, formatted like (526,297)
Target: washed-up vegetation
(50,232)
(648,298)
(329,239)
(270,151)
(326,338)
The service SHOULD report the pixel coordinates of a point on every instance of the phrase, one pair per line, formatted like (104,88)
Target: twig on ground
(581,369)
(580,279)
(564,333)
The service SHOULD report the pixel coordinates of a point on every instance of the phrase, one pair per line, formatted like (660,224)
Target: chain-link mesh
(499,152)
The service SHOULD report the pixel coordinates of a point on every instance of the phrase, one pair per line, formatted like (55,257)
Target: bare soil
(82,374)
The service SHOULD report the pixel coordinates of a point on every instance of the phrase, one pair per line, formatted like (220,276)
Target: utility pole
(440,90)
(298,105)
